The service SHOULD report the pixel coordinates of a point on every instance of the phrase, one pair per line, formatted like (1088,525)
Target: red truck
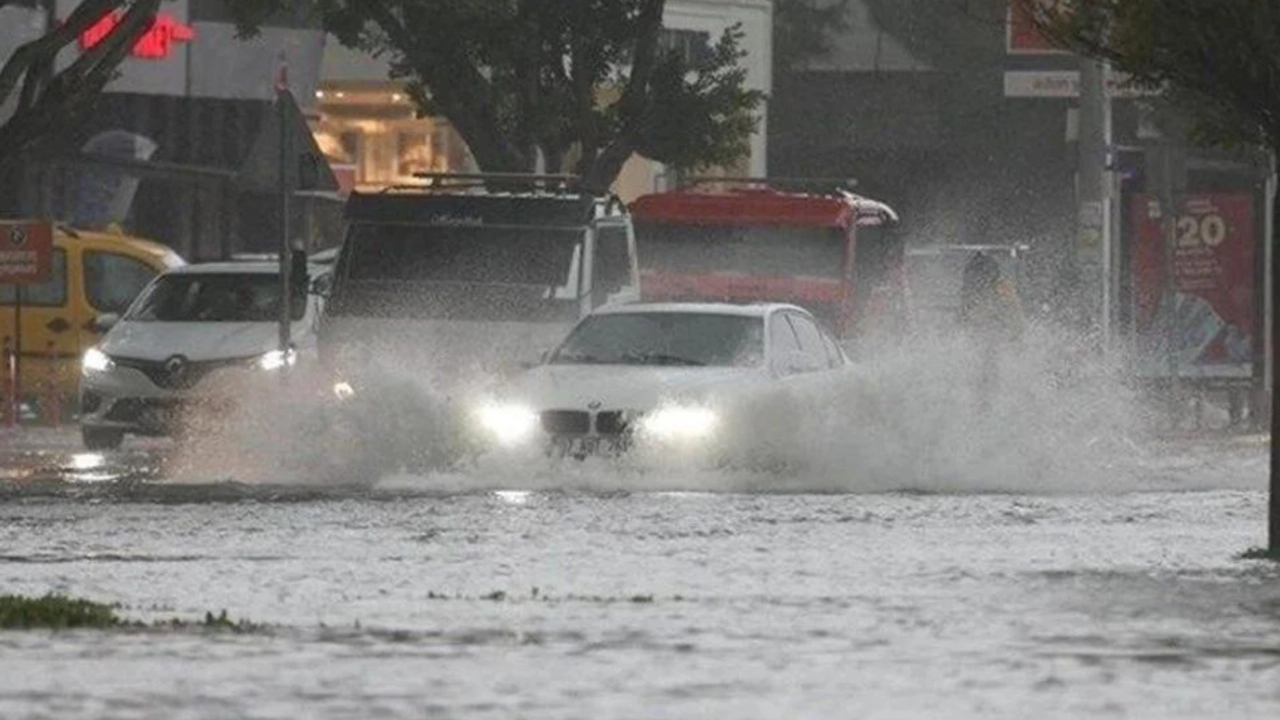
(746,240)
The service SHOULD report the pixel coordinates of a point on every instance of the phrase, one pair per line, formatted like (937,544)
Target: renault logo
(175,366)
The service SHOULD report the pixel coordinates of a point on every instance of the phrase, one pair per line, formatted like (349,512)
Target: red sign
(154,44)
(1023,37)
(26,251)
(1195,308)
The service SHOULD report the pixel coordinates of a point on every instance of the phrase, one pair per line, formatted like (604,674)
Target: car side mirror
(322,285)
(105,322)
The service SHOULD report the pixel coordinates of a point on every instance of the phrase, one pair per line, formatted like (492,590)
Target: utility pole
(1273,359)
(1093,236)
(287,157)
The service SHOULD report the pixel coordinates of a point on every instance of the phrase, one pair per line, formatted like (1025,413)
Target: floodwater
(413,599)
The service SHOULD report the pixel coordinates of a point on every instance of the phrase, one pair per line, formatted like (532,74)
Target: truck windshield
(753,250)
(463,272)
(463,254)
(214,297)
(664,338)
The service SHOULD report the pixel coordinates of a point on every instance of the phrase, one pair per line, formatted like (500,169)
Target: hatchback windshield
(664,338)
(221,297)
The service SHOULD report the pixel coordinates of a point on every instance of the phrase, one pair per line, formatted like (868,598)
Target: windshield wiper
(576,358)
(661,359)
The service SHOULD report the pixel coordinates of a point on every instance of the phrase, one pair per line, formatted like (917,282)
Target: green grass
(59,612)
(1261,553)
(18,612)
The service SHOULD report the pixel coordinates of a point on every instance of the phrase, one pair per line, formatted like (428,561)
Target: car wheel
(101,438)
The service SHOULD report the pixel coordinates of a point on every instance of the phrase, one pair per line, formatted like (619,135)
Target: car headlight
(277,359)
(509,424)
(680,422)
(96,361)
(343,390)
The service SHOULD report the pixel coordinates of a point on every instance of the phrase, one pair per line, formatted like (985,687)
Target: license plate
(587,445)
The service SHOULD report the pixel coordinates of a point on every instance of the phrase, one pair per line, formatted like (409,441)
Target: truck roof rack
(828,184)
(533,182)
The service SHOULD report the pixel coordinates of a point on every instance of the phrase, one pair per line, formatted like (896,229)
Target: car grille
(578,422)
(190,374)
(613,422)
(135,409)
(161,411)
(566,422)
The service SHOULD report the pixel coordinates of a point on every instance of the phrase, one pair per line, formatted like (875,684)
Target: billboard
(1196,303)
(26,251)
(1022,37)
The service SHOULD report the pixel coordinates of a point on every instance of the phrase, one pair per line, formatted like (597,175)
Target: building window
(694,46)
(413,153)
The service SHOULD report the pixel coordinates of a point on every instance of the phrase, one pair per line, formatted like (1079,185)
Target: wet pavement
(417,597)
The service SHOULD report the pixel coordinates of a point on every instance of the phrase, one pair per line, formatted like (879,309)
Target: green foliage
(699,112)
(1218,58)
(54,611)
(803,30)
(572,78)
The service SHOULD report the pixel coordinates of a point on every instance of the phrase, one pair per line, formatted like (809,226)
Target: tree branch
(463,94)
(46,47)
(72,90)
(635,99)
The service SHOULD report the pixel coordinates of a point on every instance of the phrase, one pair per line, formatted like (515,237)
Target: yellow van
(93,274)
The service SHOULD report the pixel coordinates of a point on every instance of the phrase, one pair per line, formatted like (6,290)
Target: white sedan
(668,376)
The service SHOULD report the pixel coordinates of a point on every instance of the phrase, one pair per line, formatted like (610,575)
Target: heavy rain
(649,358)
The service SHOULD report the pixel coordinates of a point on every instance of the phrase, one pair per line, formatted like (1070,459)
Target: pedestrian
(990,316)
(989,309)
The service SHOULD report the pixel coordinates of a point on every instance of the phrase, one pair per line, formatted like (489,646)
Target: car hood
(621,387)
(195,341)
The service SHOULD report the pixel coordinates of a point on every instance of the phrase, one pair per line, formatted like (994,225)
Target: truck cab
(453,277)
(831,251)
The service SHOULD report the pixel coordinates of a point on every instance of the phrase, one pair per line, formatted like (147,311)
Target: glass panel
(664,338)
(220,297)
(755,250)
(112,281)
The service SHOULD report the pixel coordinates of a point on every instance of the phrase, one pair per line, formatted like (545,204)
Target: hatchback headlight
(277,359)
(509,424)
(96,361)
(680,422)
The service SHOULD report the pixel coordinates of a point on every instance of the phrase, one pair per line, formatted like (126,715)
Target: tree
(585,79)
(48,101)
(1219,57)
(803,30)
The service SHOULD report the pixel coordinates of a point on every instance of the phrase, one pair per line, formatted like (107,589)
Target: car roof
(759,310)
(227,268)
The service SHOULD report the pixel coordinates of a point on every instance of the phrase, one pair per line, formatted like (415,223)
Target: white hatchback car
(193,340)
(656,374)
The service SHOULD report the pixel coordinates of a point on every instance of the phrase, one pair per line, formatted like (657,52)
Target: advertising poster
(1195,305)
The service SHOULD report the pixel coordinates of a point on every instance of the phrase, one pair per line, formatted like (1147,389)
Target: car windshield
(214,297)
(664,338)
(754,249)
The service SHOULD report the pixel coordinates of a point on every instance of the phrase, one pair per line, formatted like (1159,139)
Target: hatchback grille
(566,422)
(186,377)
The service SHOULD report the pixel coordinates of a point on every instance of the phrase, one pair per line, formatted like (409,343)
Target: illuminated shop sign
(155,44)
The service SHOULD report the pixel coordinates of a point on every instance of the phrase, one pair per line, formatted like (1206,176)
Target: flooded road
(412,599)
